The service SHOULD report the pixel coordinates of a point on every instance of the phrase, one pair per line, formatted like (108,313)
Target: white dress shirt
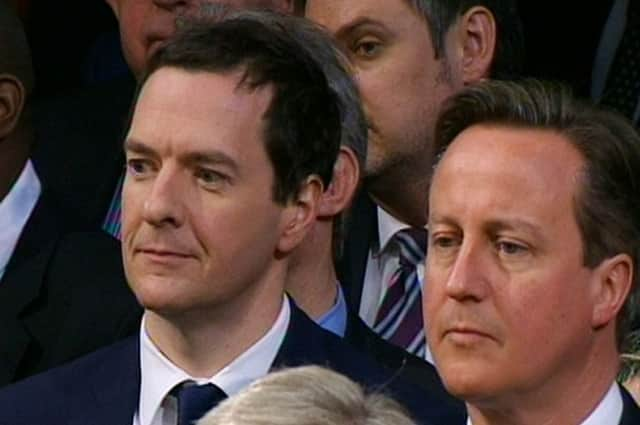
(159,375)
(608,411)
(15,210)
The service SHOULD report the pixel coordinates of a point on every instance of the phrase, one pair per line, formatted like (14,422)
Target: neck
(312,280)
(13,157)
(560,400)
(203,342)
(402,195)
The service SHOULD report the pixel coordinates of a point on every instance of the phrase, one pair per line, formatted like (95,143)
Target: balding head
(15,58)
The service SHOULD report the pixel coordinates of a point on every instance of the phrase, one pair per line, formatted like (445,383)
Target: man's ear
(12,100)
(300,214)
(346,177)
(473,42)
(613,282)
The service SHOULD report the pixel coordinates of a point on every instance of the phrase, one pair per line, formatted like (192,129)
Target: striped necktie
(399,318)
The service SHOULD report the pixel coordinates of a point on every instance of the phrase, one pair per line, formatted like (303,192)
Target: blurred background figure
(56,302)
(307,395)
(616,71)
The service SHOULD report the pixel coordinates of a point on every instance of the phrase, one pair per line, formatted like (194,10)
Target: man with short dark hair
(233,138)
(533,255)
(408,56)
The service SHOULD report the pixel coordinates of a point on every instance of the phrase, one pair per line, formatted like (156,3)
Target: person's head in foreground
(533,248)
(307,395)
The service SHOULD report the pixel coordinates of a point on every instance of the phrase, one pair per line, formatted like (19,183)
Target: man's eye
(138,167)
(444,242)
(367,48)
(511,248)
(209,177)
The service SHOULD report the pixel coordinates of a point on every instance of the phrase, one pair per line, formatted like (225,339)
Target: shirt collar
(335,320)
(608,411)
(159,375)
(388,226)
(15,210)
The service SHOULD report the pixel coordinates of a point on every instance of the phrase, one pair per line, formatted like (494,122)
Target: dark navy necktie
(194,401)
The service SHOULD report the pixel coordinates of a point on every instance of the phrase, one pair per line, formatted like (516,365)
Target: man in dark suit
(407,57)
(533,258)
(62,295)
(233,138)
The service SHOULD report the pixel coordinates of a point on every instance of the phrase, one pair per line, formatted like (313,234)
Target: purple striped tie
(399,319)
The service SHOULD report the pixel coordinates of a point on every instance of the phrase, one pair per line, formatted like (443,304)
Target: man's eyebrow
(512,224)
(136,146)
(355,24)
(211,158)
(189,158)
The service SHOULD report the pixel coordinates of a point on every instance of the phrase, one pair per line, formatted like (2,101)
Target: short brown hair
(607,203)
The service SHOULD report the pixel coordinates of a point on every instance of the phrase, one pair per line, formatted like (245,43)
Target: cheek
(549,298)
(131,208)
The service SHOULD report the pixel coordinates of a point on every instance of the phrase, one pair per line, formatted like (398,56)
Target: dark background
(561,37)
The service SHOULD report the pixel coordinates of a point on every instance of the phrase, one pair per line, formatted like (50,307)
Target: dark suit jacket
(416,370)
(103,388)
(61,296)
(554,52)
(630,412)
(361,234)
(78,152)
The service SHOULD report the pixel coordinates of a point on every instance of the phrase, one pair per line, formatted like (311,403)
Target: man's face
(401,83)
(508,301)
(146,24)
(200,227)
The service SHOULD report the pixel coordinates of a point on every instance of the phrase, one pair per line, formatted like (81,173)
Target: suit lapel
(630,411)
(301,344)
(22,284)
(114,390)
(362,233)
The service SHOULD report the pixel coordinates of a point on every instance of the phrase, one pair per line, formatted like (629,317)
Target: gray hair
(607,202)
(307,395)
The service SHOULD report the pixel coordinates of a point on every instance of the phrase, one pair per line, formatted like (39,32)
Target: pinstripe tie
(399,319)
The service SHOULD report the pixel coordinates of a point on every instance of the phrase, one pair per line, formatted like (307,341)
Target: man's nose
(469,278)
(164,204)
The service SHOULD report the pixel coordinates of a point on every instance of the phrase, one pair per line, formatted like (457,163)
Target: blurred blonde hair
(307,395)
